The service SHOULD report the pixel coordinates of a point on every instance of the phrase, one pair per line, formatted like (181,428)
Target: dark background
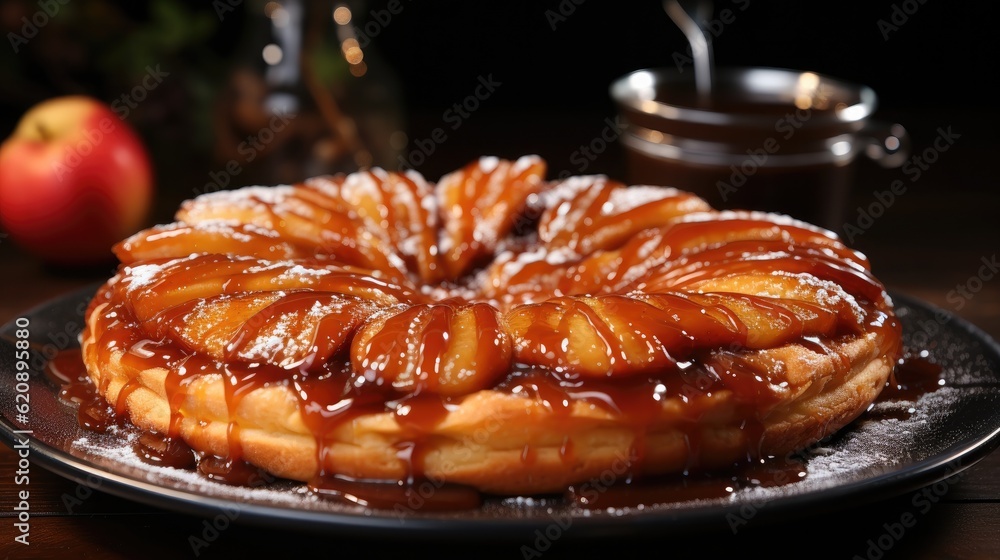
(554,94)
(940,64)
(944,54)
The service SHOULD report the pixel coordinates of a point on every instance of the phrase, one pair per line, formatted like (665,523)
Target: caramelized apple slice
(301,330)
(180,240)
(443,349)
(560,271)
(159,286)
(794,289)
(768,322)
(613,335)
(751,257)
(531,272)
(593,275)
(591,213)
(736,233)
(302,216)
(624,335)
(480,204)
(399,207)
(703,231)
(209,324)
(530,278)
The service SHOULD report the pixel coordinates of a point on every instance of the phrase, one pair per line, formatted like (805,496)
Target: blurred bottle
(304,98)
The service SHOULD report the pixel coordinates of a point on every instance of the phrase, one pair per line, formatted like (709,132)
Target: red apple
(74,179)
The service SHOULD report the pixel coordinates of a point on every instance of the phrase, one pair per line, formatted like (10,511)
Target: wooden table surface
(930,240)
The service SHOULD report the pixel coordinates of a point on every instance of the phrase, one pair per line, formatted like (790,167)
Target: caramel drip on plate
(158,449)
(913,377)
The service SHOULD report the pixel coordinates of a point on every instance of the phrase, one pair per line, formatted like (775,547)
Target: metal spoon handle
(701,43)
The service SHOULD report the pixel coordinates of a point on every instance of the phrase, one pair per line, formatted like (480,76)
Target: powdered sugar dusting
(570,188)
(326,185)
(287,339)
(142,275)
(417,178)
(247,196)
(488,164)
(524,163)
(227,228)
(628,198)
(363,185)
(553,257)
(305,273)
(262,231)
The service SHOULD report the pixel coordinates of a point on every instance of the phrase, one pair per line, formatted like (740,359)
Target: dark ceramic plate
(907,446)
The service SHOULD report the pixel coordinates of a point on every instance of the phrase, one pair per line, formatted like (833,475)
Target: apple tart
(495,329)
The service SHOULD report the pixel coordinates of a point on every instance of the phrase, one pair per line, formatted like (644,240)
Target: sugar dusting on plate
(116,447)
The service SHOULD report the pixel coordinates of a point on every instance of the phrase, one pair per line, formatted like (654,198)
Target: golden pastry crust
(684,353)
